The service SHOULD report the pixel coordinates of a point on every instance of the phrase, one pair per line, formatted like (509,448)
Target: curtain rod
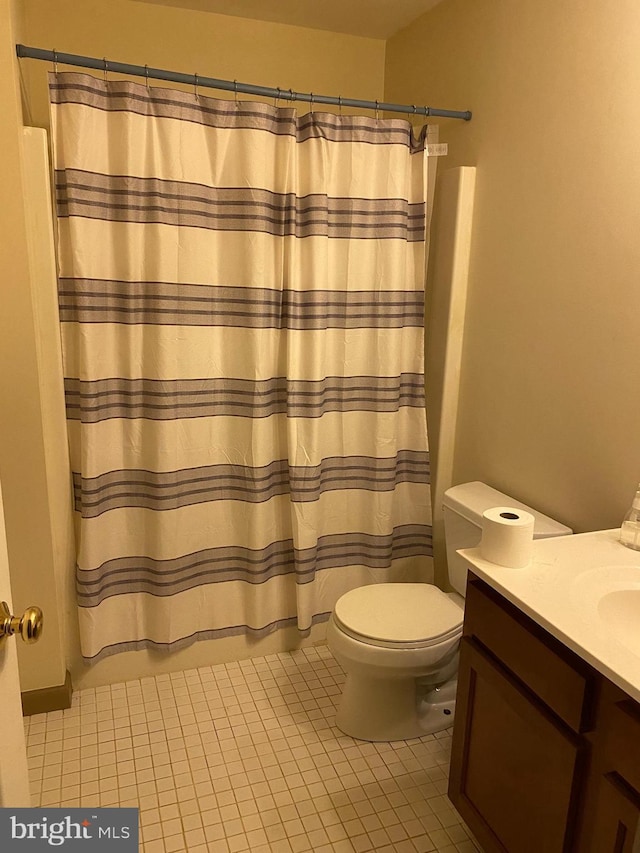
(23,51)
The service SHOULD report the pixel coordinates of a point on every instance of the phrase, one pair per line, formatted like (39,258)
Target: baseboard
(47,699)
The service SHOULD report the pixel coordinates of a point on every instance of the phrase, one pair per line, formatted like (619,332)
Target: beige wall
(198,42)
(550,399)
(55,589)
(213,45)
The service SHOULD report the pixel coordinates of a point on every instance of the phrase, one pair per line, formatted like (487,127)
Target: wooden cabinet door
(514,766)
(616,827)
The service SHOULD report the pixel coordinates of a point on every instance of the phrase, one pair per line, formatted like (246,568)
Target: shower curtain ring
(235,92)
(146,74)
(195,86)
(277,97)
(291,95)
(55,61)
(106,68)
(340,103)
(311,97)
(377,112)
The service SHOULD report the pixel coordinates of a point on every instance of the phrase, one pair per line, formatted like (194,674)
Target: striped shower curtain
(241,304)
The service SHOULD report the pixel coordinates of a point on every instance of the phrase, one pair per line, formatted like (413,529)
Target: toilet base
(372,709)
(438,708)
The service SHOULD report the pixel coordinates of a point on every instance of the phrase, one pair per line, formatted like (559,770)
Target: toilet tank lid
(470,500)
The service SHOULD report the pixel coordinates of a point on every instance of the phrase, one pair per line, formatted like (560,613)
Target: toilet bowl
(398,642)
(395,658)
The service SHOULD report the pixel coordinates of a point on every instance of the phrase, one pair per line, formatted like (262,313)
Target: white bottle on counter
(630,532)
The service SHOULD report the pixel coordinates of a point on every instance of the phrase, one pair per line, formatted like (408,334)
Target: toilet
(398,642)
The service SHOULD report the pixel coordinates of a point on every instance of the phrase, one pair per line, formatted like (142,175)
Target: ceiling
(371,18)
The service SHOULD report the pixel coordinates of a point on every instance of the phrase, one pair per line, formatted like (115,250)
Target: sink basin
(611,595)
(620,610)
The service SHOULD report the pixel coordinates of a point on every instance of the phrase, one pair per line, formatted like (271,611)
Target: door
(617,818)
(513,766)
(616,809)
(14,775)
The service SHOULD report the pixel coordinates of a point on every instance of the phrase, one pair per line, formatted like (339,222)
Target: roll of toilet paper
(507,537)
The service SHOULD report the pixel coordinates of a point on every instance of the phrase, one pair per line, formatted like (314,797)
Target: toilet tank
(463,507)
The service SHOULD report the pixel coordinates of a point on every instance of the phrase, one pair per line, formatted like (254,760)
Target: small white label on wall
(437,149)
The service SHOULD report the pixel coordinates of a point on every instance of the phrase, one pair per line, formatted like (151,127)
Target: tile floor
(245,757)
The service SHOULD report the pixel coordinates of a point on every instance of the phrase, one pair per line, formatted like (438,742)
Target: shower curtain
(241,303)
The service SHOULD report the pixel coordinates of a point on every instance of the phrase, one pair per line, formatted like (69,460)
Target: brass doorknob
(29,625)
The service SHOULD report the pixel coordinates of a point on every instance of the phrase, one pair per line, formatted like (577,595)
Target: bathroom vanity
(546,745)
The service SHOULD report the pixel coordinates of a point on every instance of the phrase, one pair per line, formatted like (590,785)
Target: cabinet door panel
(513,766)
(617,818)
(622,741)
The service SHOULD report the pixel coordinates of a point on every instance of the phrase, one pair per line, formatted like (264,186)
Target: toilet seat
(399,615)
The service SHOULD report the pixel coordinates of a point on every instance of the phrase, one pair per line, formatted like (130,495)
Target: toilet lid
(404,613)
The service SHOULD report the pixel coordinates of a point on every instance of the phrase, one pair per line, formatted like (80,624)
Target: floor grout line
(245,756)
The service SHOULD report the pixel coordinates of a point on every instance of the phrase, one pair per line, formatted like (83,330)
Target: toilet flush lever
(29,625)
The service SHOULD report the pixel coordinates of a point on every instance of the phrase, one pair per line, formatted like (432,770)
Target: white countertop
(584,590)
